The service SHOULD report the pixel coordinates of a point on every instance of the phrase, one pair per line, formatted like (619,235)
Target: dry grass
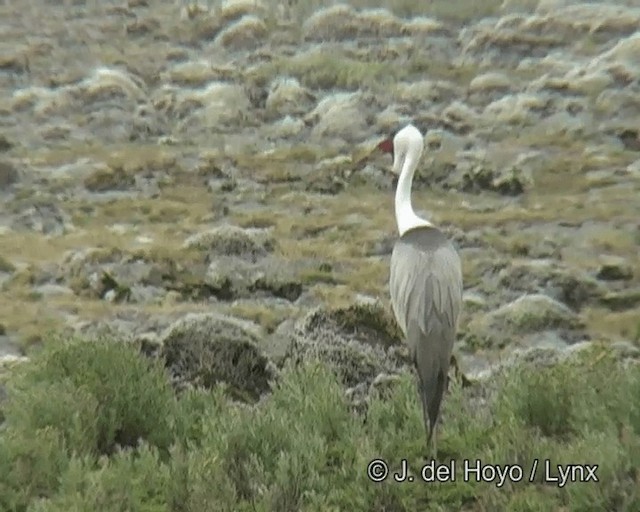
(328,71)
(306,225)
(456,12)
(267,317)
(31,320)
(333,70)
(606,324)
(33,248)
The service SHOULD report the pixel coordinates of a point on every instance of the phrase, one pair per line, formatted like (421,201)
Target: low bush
(95,426)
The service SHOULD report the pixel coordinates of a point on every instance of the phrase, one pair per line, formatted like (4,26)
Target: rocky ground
(167,172)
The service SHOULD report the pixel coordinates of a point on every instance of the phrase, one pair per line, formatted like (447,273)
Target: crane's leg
(434,438)
(430,429)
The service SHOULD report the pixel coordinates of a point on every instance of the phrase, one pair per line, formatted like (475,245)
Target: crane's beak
(386,146)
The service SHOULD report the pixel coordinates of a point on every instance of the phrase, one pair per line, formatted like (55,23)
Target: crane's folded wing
(426,281)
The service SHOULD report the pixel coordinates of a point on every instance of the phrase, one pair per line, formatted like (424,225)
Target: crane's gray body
(426,295)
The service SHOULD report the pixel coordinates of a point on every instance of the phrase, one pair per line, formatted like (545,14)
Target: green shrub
(287,452)
(72,410)
(126,481)
(303,447)
(30,465)
(97,394)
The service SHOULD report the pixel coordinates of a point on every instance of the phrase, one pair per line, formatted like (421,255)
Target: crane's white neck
(406,218)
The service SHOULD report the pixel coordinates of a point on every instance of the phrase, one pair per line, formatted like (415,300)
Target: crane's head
(406,142)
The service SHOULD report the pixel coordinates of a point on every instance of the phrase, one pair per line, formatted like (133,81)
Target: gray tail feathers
(432,355)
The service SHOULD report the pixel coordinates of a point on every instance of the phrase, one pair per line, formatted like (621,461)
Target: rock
(474,174)
(556,280)
(534,357)
(614,268)
(275,278)
(52,290)
(228,240)
(43,217)
(246,33)
(358,342)
(112,274)
(206,349)
(124,324)
(523,321)
(545,357)
(231,278)
(535,312)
